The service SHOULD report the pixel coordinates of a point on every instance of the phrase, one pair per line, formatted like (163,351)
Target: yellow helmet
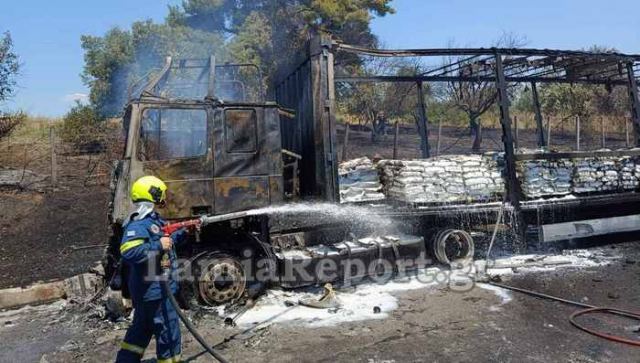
(149,189)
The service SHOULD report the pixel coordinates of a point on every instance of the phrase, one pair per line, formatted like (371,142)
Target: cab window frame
(227,146)
(163,108)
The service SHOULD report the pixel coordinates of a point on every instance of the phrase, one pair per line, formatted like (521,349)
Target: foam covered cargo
(359,181)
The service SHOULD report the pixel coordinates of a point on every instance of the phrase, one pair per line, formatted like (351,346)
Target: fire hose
(587,309)
(164,282)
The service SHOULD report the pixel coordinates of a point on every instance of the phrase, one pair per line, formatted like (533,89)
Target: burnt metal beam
(513,187)
(445,68)
(577,154)
(149,89)
(423,120)
(538,115)
(355,79)
(635,103)
(481,51)
(323,101)
(507,136)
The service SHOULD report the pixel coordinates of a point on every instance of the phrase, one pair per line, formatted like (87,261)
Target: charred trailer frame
(309,90)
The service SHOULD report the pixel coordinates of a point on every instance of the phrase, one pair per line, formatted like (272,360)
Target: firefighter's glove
(167,243)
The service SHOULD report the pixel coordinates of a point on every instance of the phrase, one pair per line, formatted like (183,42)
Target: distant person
(142,246)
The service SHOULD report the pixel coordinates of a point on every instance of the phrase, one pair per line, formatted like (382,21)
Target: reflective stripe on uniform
(132,348)
(175,359)
(131,244)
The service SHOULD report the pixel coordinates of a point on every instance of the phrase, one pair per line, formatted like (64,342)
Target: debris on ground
(22,179)
(328,300)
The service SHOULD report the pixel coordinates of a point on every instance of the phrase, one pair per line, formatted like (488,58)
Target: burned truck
(206,130)
(232,158)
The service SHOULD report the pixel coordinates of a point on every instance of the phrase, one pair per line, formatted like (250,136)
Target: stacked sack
(359,181)
(482,177)
(545,178)
(403,180)
(629,173)
(442,179)
(594,175)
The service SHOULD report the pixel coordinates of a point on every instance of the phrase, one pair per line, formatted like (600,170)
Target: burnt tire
(453,247)
(219,278)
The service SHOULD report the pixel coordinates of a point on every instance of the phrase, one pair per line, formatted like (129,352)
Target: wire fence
(36,158)
(402,140)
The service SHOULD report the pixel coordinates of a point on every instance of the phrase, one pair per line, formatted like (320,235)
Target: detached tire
(220,278)
(453,246)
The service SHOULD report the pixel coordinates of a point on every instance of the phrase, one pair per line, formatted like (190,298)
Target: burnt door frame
(189,179)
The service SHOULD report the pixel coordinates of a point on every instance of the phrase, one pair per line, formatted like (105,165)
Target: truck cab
(206,130)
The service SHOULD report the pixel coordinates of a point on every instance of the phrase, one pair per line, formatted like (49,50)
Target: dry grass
(29,148)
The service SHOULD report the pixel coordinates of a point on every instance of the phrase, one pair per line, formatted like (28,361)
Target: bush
(83,128)
(9,122)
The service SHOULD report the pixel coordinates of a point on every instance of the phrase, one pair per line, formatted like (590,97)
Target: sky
(47,33)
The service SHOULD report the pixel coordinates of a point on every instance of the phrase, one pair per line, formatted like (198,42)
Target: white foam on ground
(504,295)
(358,302)
(531,263)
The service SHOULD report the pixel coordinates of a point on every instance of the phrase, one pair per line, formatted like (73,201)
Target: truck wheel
(453,246)
(220,279)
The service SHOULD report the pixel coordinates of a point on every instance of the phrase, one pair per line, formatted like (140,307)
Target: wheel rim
(453,247)
(221,280)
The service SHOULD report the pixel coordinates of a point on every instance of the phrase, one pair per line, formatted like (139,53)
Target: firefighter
(142,248)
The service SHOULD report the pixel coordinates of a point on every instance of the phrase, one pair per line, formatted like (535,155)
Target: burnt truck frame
(287,151)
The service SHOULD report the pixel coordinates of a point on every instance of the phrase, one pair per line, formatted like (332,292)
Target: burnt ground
(40,226)
(429,325)
(40,233)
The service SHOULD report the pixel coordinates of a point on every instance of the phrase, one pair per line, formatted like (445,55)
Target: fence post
(54,161)
(395,141)
(549,133)
(439,137)
(516,133)
(604,136)
(345,144)
(626,127)
(538,115)
(423,122)
(577,133)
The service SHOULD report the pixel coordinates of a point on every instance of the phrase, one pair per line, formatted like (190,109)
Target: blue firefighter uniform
(141,250)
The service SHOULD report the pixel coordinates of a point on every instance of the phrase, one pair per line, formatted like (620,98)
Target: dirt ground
(40,228)
(430,324)
(42,231)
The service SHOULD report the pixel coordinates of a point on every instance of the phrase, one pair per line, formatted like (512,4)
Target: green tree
(81,126)
(268,33)
(264,32)
(475,98)
(107,63)
(9,67)
(118,59)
